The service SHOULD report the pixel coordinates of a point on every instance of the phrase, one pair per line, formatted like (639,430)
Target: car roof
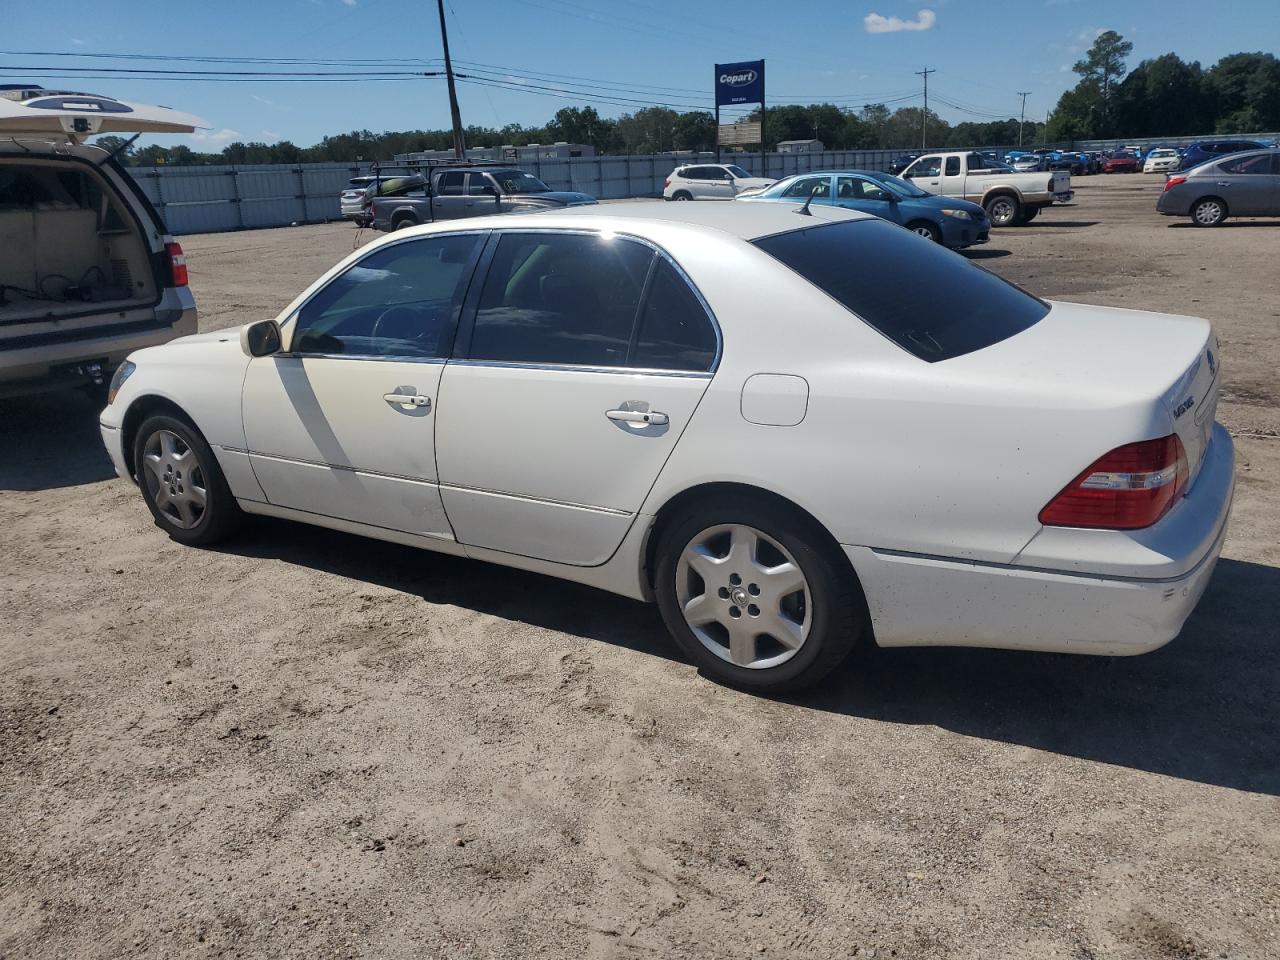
(745,221)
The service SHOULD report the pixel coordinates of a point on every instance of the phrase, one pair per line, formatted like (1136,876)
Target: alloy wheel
(174,478)
(1209,212)
(744,596)
(1002,211)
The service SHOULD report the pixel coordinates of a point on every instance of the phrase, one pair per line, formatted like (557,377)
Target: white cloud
(274,104)
(349,3)
(270,136)
(215,136)
(875,23)
(77,41)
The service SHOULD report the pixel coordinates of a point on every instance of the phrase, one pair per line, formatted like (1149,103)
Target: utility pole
(459,144)
(1023,118)
(924,117)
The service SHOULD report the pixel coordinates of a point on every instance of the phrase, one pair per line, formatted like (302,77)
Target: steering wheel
(390,317)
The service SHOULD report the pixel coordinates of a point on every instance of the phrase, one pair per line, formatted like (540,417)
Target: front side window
(809,187)
(478,185)
(560,299)
(400,301)
(926,167)
(738,171)
(929,301)
(856,188)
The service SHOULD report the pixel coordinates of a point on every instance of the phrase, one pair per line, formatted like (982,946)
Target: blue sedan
(949,221)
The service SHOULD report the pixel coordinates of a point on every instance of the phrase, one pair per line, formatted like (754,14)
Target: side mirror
(891,198)
(260,339)
(488,190)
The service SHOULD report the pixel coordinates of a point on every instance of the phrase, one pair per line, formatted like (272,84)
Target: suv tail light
(667,183)
(1173,182)
(177,263)
(1130,488)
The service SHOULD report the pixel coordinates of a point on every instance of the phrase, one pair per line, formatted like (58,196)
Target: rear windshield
(933,303)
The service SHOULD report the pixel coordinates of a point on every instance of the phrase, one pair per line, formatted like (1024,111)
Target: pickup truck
(1010,199)
(453,192)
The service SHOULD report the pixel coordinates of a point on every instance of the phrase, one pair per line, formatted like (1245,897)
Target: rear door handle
(638,416)
(1224,183)
(408,399)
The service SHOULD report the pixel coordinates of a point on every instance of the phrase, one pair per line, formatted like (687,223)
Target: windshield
(517,181)
(737,171)
(931,302)
(902,188)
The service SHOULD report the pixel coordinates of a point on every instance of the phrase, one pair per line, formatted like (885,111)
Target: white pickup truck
(1010,198)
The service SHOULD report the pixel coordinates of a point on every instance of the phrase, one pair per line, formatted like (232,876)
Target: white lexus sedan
(794,431)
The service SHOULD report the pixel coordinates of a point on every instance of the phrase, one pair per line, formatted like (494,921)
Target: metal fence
(200,199)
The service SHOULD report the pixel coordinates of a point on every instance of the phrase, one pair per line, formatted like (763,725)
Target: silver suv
(88,272)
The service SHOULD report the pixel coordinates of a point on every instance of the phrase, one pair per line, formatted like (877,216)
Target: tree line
(1166,95)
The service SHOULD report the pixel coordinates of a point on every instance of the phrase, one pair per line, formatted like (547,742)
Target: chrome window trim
(373,248)
(379,358)
(584,368)
(600,232)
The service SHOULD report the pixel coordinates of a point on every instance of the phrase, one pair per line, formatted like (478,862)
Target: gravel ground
(310,745)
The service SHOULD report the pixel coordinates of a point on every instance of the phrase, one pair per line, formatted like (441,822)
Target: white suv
(88,271)
(711,181)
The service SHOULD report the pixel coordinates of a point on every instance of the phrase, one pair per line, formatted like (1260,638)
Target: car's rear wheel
(1003,210)
(682,195)
(403,223)
(926,229)
(182,483)
(756,594)
(1208,212)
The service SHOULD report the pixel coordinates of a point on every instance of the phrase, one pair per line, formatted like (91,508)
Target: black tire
(1004,210)
(835,607)
(220,514)
(403,222)
(682,195)
(1208,212)
(921,226)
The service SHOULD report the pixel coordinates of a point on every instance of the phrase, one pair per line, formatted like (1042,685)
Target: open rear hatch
(75,252)
(27,110)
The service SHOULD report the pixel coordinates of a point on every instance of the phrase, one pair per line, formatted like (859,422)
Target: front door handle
(408,399)
(638,416)
(1223,183)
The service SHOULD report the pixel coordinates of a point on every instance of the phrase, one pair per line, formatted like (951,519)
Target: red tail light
(177,263)
(667,184)
(1131,487)
(1173,182)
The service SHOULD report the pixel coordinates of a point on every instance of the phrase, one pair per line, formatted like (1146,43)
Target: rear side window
(1259,163)
(560,299)
(451,184)
(675,332)
(953,166)
(931,302)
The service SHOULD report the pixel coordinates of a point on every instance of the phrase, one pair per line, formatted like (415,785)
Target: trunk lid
(1097,359)
(30,110)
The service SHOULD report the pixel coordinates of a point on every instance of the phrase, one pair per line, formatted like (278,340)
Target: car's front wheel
(1208,212)
(182,483)
(756,594)
(927,230)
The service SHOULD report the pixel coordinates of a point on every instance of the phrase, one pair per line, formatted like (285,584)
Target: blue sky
(850,52)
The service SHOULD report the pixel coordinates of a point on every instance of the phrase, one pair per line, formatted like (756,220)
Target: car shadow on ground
(1227,225)
(984,254)
(1204,708)
(1041,222)
(51,440)
(487,588)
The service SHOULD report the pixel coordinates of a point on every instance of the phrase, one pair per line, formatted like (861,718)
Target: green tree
(1245,92)
(1103,66)
(1162,97)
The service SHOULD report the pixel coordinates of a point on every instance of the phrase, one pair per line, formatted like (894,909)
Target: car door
(342,424)
(580,360)
(1246,183)
(450,198)
(863,193)
(926,173)
(719,183)
(483,195)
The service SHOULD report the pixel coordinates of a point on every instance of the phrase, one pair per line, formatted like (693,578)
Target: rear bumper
(920,600)
(52,362)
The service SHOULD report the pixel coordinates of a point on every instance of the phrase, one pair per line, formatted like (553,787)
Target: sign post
(739,83)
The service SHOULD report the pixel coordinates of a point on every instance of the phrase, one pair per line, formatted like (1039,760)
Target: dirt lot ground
(310,745)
